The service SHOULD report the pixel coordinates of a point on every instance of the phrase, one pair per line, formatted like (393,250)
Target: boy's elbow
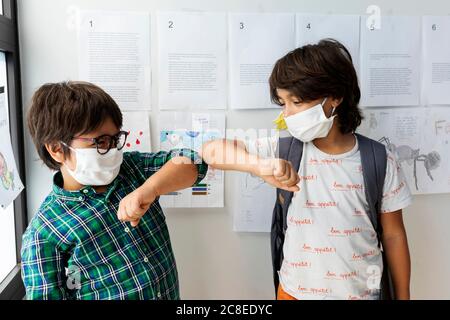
(208,151)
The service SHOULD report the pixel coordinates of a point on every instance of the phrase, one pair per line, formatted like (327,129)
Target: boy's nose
(288,111)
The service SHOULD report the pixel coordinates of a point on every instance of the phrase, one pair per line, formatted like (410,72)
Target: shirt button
(81,198)
(127,230)
(145,259)
(85,191)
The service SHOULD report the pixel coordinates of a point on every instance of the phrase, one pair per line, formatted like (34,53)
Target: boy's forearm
(178,173)
(226,154)
(398,259)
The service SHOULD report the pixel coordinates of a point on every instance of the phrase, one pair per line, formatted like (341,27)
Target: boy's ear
(56,152)
(336,102)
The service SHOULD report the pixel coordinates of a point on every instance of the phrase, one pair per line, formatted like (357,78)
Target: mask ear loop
(66,145)
(332,111)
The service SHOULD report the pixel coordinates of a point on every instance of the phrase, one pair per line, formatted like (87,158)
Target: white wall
(213,261)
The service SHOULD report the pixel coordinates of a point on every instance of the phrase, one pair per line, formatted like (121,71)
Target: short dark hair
(320,70)
(61,111)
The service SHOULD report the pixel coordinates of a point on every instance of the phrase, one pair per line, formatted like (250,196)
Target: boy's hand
(136,204)
(278,173)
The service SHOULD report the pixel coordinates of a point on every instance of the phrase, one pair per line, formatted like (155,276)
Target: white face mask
(310,124)
(94,169)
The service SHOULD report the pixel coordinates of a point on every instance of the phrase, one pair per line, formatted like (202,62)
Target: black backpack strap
(374,163)
(294,155)
(288,149)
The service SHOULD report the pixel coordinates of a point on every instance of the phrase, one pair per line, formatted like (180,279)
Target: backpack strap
(289,149)
(373,161)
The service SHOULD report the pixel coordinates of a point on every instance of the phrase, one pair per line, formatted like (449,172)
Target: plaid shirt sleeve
(43,270)
(152,162)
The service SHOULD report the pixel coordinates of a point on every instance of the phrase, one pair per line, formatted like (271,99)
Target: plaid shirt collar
(79,195)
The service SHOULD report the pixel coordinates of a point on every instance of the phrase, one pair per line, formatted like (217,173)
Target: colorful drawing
(138,127)
(134,142)
(6,176)
(176,139)
(190,131)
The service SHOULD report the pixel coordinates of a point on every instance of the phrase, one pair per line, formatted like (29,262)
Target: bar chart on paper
(180,130)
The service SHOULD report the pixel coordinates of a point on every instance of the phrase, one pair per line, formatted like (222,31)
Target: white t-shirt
(331,248)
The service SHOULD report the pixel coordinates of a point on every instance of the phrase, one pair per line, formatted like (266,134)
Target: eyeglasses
(106,142)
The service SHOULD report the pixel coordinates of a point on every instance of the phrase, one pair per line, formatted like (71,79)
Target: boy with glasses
(100,233)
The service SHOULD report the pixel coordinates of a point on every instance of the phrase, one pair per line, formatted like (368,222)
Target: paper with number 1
(114,53)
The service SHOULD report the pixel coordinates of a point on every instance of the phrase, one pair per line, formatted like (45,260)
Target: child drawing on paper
(6,176)
(137,135)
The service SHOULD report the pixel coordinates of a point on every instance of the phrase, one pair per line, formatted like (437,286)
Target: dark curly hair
(320,70)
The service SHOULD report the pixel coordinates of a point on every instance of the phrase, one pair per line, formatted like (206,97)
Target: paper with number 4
(343,28)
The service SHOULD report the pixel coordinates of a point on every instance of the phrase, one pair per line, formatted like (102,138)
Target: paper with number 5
(390,56)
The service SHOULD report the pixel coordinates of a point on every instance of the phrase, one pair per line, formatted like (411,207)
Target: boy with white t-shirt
(330,247)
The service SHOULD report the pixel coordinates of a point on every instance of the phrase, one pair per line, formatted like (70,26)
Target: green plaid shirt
(76,248)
